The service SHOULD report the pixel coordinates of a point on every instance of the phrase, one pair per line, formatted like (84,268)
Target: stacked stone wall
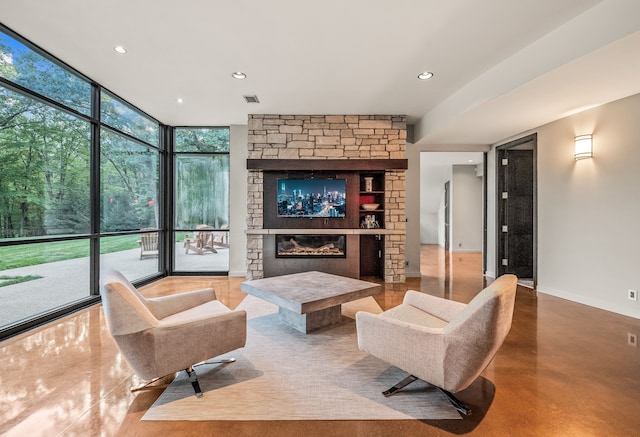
(329,137)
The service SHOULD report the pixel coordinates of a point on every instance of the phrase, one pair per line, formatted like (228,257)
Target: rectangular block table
(309,300)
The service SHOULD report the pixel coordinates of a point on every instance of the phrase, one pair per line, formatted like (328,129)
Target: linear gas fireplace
(311,246)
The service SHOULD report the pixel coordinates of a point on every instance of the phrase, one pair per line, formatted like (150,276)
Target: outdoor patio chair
(221,238)
(148,244)
(205,239)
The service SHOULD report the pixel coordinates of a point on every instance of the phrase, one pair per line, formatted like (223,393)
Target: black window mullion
(94,177)
(42,99)
(168,199)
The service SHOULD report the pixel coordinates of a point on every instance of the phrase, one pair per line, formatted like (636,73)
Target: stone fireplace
(332,142)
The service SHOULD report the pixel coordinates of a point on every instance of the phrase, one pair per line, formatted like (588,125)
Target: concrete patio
(64,282)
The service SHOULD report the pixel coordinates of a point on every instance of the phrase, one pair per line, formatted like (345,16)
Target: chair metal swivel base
(193,378)
(147,385)
(457,403)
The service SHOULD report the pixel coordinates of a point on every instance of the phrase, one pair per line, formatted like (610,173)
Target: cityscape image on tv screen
(312,197)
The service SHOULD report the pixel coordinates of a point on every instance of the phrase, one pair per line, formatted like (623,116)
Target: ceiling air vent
(251,99)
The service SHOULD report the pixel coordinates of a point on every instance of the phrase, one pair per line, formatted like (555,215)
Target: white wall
(238,201)
(412,208)
(466,209)
(428,228)
(428,217)
(589,210)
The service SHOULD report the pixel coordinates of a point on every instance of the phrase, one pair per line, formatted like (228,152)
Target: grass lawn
(10,280)
(12,257)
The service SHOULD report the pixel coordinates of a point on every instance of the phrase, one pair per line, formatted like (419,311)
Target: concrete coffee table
(309,300)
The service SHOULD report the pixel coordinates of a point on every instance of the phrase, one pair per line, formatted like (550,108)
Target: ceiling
(500,66)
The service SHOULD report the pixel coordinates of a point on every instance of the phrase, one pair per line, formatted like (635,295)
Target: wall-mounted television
(309,198)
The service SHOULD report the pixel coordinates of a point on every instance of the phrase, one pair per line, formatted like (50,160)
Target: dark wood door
(447,213)
(516,184)
(371,256)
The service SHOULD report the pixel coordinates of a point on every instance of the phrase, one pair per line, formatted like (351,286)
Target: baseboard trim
(594,303)
(412,274)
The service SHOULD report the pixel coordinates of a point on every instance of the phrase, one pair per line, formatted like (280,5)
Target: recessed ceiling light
(425,75)
(120,49)
(179,100)
(469,160)
(238,75)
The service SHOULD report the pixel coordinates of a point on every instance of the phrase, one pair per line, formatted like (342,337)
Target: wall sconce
(584,147)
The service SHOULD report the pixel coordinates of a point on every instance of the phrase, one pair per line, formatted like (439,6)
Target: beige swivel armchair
(160,336)
(445,343)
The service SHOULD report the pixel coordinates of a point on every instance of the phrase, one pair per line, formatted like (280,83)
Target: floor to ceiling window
(81,188)
(129,190)
(82,183)
(201,199)
(45,160)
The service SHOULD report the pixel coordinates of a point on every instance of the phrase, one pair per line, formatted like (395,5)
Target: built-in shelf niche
(371,193)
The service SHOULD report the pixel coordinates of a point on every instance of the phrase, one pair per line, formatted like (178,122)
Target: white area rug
(282,374)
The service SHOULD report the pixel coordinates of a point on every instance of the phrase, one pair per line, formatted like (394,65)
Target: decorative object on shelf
(369,222)
(368,184)
(370,206)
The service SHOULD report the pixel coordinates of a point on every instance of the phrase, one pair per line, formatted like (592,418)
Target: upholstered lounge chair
(164,335)
(445,343)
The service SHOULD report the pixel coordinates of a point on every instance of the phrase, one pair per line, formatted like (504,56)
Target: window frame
(172,197)
(94,236)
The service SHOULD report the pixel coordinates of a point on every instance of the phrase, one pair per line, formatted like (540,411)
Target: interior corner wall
(238,155)
(428,219)
(588,209)
(412,245)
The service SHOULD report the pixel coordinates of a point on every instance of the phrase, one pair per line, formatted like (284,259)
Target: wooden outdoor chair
(221,238)
(148,244)
(205,239)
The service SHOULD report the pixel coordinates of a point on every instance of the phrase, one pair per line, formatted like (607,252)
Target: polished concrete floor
(564,370)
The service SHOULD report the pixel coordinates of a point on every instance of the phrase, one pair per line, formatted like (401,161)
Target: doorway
(451,186)
(516,209)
